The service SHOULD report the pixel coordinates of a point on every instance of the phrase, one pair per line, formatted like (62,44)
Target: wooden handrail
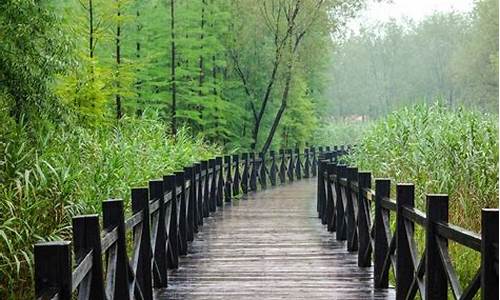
(339,190)
(165,217)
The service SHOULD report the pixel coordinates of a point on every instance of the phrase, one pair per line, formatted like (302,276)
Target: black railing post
(212,203)
(291,165)
(262,169)
(489,253)
(156,192)
(220,180)
(253,173)
(244,176)
(330,198)
(382,190)
(236,180)
(113,217)
(229,179)
(173,230)
(206,190)
(53,273)
(86,238)
(274,168)
(364,220)
(436,282)
(190,203)
(298,165)
(199,192)
(321,190)
(341,233)
(282,172)
(352,230)
(405,197)
(314,163)
(140,203)
(183,235)
(307,163)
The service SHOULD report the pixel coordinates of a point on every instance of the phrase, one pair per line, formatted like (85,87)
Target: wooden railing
(138,250)
(361,216)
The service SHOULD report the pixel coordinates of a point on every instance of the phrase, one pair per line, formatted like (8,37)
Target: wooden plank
(270,246)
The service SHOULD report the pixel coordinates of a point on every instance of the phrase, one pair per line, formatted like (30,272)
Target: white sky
(412,9)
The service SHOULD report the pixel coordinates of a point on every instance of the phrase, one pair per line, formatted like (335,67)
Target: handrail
(344,195)
(159,227)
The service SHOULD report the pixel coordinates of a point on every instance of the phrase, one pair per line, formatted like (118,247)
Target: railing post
(320,190)
(282,173)
(244,176)
(212,203)
(274,168)
(156,191)
(206,188)
(86,238)
(436,282)
(220,181)
(341,225)
(262,173)
(190,203)
(253,173)
(236,181)
(298,165)
(53,273)
(140,202)
(364,220)
(489,253)
(330,198)
(183,237)
(382,190)
(307,163)
(173,230)
(405,197)
(113,216)
(352,230)
(291,165)
(229,179)
(314,163)
(198,195)
(193,198)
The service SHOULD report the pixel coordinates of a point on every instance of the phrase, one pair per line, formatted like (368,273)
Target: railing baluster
(330,205)
(229,179)
(314,163)
(244,177)
(206,188)
(190,203)
(282,174)
(290,165)
(274,168)
(405,197)
(156,191)
(236,180)
(113,217)
(262,173)
(298,165)
(86,238)
(364,249)
(173,233)
(140,202)
(53,269)
(183,237)
(489,257)
(220,181)
(212,203)
(382,190)
(341,233)
(253,173)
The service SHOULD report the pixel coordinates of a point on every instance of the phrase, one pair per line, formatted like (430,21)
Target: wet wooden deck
(270,245)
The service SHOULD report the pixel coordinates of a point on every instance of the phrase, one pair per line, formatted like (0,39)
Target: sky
(413,9)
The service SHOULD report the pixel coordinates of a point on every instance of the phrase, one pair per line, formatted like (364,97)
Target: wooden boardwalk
(270,245)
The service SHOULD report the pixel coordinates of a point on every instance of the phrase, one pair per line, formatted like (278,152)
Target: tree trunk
(173,66)
(118,61)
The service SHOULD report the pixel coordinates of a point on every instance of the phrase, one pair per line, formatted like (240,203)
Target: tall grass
(441,151)
(48,177)
(339,132)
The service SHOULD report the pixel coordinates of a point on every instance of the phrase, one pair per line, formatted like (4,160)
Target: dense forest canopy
(247,74)
(448,56)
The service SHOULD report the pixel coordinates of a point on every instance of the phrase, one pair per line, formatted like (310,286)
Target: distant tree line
(448,56)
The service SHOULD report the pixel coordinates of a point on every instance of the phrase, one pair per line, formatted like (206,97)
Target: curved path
(270,245)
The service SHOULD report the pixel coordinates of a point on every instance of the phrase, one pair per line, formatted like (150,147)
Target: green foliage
(454,152)
(69,171)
